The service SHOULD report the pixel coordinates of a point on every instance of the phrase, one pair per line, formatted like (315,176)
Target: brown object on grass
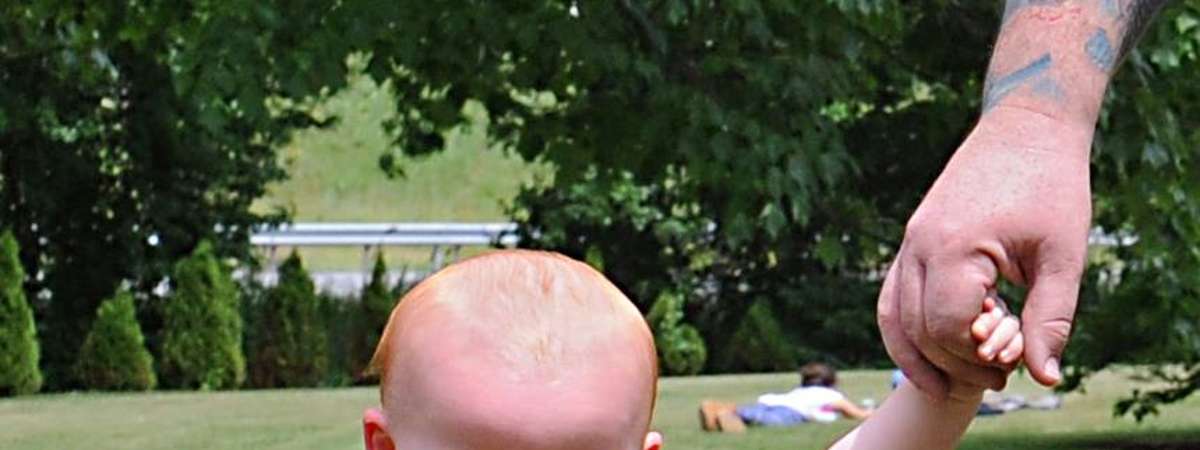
(720,416)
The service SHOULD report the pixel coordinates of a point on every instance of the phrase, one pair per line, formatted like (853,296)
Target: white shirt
(814,402)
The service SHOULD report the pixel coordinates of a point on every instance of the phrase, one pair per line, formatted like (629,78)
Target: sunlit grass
(335,177)
(328,419)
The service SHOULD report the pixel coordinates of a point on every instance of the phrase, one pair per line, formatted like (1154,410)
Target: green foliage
(1141,298)
(737,151)
(291,347)
(19,373)
(729,155)
(376,303)
(681,349)
(202,326)
(126,121)
(810,319)
(342,319)
(729,151)
(113,355)
(758,344)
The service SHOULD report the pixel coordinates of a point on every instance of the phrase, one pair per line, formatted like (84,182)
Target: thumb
(1046,324)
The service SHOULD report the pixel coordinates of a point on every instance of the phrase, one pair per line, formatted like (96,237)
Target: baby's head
(514,349)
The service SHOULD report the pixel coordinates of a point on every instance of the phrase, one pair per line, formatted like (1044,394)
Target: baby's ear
(375,435)
(654,441)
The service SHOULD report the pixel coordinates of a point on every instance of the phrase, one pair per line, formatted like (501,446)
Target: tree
(19,373)
(202,326)
(376,308)
(131,131)
(680,348)
(1141,301)
(113,355)
(741,152)
(727,151)
(723,149)
(291,346)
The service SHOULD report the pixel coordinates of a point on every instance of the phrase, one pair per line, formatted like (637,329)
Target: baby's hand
(998,334)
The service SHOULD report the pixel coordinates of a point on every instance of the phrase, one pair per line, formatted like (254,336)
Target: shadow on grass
(1131,440)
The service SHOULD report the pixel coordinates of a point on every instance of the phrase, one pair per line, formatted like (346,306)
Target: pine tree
(114,355)
(19,350)
(376,307)
(202,326)
(291,345)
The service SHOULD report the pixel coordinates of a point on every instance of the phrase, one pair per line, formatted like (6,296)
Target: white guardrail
(445,239)
(386,234)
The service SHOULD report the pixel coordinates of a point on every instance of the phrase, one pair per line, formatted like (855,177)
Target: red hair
(541,312)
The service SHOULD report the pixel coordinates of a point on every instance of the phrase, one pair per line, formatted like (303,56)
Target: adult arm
(1014,200)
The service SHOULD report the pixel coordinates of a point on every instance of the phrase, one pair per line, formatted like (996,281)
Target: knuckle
(887,315)
(940,233)
(944,226)
(1057,329)
(1012,322)
(915,225)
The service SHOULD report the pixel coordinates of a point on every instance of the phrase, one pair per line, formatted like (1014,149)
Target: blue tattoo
(1099,48)
(1112,8)
(1049,88)
(994,91)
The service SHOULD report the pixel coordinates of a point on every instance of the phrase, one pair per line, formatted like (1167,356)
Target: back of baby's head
(517,349)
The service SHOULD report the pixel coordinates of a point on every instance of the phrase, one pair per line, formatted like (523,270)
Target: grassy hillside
(329,419)
(335,176)
(335,171)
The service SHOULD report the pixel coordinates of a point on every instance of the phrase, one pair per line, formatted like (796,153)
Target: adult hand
(1014,201)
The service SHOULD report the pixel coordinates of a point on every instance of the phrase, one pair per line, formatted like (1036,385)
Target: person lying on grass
(909,419)
(515,350)
(815,400)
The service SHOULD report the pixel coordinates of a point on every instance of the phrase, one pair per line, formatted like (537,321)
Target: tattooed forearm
(1129,19)
(996,88)
(1011,7)
(1135,16)
(1100,50)
(1056,57)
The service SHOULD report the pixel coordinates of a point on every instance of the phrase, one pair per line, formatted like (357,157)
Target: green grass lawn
(335,176)
(328,419)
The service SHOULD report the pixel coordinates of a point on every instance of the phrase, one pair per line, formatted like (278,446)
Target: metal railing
(446,239)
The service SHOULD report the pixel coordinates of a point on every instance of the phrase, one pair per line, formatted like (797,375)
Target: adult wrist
(1032,129)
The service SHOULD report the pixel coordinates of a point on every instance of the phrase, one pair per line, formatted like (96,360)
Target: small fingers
(989,304)
(986,323)
(1013,352)
(1003,334)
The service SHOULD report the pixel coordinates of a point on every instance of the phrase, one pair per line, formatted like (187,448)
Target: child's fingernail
(986,350)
